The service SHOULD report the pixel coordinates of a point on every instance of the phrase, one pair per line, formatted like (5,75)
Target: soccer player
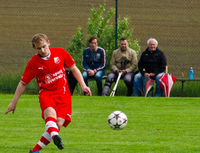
(48,66)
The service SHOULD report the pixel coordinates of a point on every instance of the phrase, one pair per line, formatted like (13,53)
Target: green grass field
(155,125)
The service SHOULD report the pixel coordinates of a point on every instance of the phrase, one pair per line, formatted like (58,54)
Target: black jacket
(154,62)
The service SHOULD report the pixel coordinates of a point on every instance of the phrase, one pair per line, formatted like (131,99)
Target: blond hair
(38,38)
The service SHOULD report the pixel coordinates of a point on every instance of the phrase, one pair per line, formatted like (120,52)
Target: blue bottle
(191,73)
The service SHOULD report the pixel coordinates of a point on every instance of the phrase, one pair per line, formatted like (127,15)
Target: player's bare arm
(20,89)
(77,74)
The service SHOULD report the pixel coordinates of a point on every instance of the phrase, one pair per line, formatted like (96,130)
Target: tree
(102,27)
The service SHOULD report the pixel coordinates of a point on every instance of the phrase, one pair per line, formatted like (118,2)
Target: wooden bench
(185,79)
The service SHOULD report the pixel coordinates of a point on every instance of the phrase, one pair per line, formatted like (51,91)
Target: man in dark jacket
(94,62)
(151,64)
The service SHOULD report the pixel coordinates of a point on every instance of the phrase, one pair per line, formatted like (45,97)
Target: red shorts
(60,102)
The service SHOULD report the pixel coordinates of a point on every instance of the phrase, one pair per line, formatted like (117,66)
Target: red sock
(51,126)
(44,141)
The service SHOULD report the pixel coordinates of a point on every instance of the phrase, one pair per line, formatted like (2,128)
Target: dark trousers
(112,77)
(71,81)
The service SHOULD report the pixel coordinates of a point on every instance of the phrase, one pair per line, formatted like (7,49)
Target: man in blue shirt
(94,62)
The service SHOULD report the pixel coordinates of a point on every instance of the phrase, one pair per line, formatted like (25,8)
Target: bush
(102,27)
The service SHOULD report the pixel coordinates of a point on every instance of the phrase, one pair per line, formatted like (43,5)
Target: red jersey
(49,71)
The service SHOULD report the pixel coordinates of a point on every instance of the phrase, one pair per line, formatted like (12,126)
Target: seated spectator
(151,64)
(94,62)
(124,59)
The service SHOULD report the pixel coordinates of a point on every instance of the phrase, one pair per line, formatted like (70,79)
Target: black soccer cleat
(58,142)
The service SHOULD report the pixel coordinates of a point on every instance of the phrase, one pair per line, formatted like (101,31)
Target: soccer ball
(117,120)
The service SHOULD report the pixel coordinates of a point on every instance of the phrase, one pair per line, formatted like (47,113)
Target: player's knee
(60,122)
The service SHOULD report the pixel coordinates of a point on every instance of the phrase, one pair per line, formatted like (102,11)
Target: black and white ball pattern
(117,120)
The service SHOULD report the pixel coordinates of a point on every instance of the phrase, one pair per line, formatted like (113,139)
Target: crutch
(115,87)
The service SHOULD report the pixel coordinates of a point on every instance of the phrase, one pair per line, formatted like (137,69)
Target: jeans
(138,78)
(98,77)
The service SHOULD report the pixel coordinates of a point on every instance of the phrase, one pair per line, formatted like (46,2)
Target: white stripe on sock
(51,124)
(54,133)
(41,144)
(47,136)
